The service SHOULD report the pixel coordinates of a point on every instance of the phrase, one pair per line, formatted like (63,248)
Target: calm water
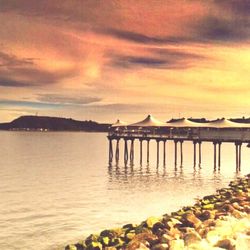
(56,188)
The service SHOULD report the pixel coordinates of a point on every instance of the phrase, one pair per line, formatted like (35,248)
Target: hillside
(53,124)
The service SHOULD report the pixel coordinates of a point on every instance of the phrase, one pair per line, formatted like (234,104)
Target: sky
(106,59)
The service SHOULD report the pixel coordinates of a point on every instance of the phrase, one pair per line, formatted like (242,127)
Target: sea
(56,188)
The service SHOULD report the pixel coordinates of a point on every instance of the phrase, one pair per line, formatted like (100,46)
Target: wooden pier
(218,132)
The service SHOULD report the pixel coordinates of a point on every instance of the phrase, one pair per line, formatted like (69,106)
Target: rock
(105,241)
(130,235)
(162,246)
(107,233)
(166,238)
(176,245)
(141,229)
(129,226)
(175,233)
(237,214)
(207,214)
(228,208)
(71,247)
(192,237)
(91,238)
(94,245)
(226,244)
(151,221)
(212,237)
(137,246)
(79,246)
(157,227)
(208,206)
(237,206)
(190,220)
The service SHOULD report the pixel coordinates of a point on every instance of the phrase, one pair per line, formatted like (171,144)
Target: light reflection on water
(57,188)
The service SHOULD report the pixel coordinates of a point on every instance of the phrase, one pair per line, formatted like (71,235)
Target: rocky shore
(219,221)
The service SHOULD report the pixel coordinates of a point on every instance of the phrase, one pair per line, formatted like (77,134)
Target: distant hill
(45,123)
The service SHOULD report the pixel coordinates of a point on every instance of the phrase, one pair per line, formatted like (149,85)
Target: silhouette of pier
(217,132)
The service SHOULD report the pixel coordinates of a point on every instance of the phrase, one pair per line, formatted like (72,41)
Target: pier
(217,132)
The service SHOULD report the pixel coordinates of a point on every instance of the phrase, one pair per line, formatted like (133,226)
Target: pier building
(181,130)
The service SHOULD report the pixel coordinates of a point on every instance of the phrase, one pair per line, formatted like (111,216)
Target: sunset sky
(106,59)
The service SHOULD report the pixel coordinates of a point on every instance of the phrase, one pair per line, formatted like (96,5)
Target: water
(56,188)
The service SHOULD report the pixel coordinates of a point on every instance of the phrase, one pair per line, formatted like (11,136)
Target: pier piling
(181,152)
(215,154)
(147,151)
(164,152)
(199,153)
(175,152)
(140,151)
(117,150)
(194,142)
(219,154)
(110,151)
(158,151)
(132,151)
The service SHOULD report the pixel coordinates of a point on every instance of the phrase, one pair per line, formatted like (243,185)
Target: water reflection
(152,173)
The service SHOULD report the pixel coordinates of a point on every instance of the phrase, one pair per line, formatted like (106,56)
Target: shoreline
(217,221)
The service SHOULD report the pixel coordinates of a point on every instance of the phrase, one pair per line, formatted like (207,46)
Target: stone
(105,241)
(151,221)
(94,245)
(107,233)
(208,206)
(116,242)
(166,238)
(129,226)
(228,208)
(91,238)
(79,246)
(157,226)
(71,247)
(226,244)
(206,214)
(161,246)
(130,235)
(176,245)
(192,237)
(237,214)
(190,220)
(136,246)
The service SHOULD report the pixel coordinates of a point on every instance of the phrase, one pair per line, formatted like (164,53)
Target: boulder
(161,246)
(151,221)
(176,245)
(190,220)
(226,244)
(191,238)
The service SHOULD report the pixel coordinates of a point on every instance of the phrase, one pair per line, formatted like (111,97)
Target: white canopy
(119,123)
(149,121)
(185,123)
(225,123)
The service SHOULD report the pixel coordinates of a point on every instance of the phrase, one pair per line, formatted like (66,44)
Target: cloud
(28,104)
(24,72)
(7,60)
(219,28)
(142,38)
(241,7)
(160,58)
(8,82)
(63,99)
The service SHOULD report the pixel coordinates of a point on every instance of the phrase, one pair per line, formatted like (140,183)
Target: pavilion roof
(119,123)
(225,123)
(184,122)
(149,121)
